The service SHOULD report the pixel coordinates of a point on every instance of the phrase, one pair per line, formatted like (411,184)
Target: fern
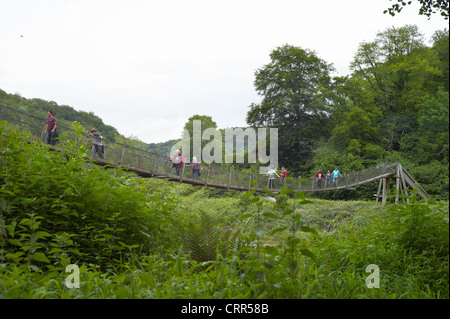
(206,237)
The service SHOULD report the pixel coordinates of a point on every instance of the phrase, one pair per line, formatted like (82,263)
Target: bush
(58,209)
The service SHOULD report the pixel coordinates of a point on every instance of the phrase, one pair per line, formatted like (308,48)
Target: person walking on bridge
(271,173)
(319,177)
(98,146)
(196,167)
(177,161)
(336,174)
(50,128)
(328,179)
(283,176)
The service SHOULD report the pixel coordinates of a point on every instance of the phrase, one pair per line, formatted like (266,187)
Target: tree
(358,133)
(399,70)
(428,7)
(293,87)
(431,137)
(394,107)
(197,128)
(441,47)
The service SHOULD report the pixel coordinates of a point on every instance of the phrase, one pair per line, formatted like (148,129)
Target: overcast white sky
(146,66)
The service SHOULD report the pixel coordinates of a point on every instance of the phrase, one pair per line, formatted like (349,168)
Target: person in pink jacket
(177,161)
(319,178)
(283,176)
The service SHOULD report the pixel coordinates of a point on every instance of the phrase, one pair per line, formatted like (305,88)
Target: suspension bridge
(148,164)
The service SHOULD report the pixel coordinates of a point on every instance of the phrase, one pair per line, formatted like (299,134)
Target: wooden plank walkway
(403,182)
(146,164)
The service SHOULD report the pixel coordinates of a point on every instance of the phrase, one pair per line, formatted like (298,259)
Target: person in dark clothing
(328,179)
(177,161)
(319,178)
(50,128)
(98,146)
(196,167)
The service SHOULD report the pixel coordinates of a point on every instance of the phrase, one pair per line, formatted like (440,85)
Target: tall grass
(136,238)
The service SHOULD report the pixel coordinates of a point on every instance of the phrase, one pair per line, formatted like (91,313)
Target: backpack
(177,159)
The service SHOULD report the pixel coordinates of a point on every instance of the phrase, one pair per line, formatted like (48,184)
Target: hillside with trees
(73,230)
(392,107)
(70,229)
(66,115)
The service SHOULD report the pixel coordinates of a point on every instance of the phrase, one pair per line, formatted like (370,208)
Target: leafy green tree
(441,47)
(65,114)
(293,87)
(358,134)
(399,70)
(428,7)
(431,138)
(206,122)
(393,108)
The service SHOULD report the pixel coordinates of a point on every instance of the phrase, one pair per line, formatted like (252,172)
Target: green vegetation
(66,115)
(393,106)
(428,7)
(145,238)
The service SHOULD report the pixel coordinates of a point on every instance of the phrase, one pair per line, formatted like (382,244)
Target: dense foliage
(146,238)
(143,238)
(428,7)
(392,107)
(66,114)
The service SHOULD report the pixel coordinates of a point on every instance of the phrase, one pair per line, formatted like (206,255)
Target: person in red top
(177,161)
(50,127)
(319,177)
(283,176)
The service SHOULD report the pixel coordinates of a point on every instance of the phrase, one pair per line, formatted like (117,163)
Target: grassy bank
(144,238)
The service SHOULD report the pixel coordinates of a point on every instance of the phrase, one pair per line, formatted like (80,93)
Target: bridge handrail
(158,165)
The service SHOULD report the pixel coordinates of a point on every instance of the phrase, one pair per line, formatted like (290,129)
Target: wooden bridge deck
(403,181)
(153,165)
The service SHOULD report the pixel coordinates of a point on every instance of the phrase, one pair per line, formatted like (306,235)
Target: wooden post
(123,153)
(182,172)
(229,178)
(155,162)
(250,181)
(397,184)
(379,190)
(312,183)
(207,175)
(400,190)
(385,189)
(299,184)
(43,131)
(138,160)
(405,189)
